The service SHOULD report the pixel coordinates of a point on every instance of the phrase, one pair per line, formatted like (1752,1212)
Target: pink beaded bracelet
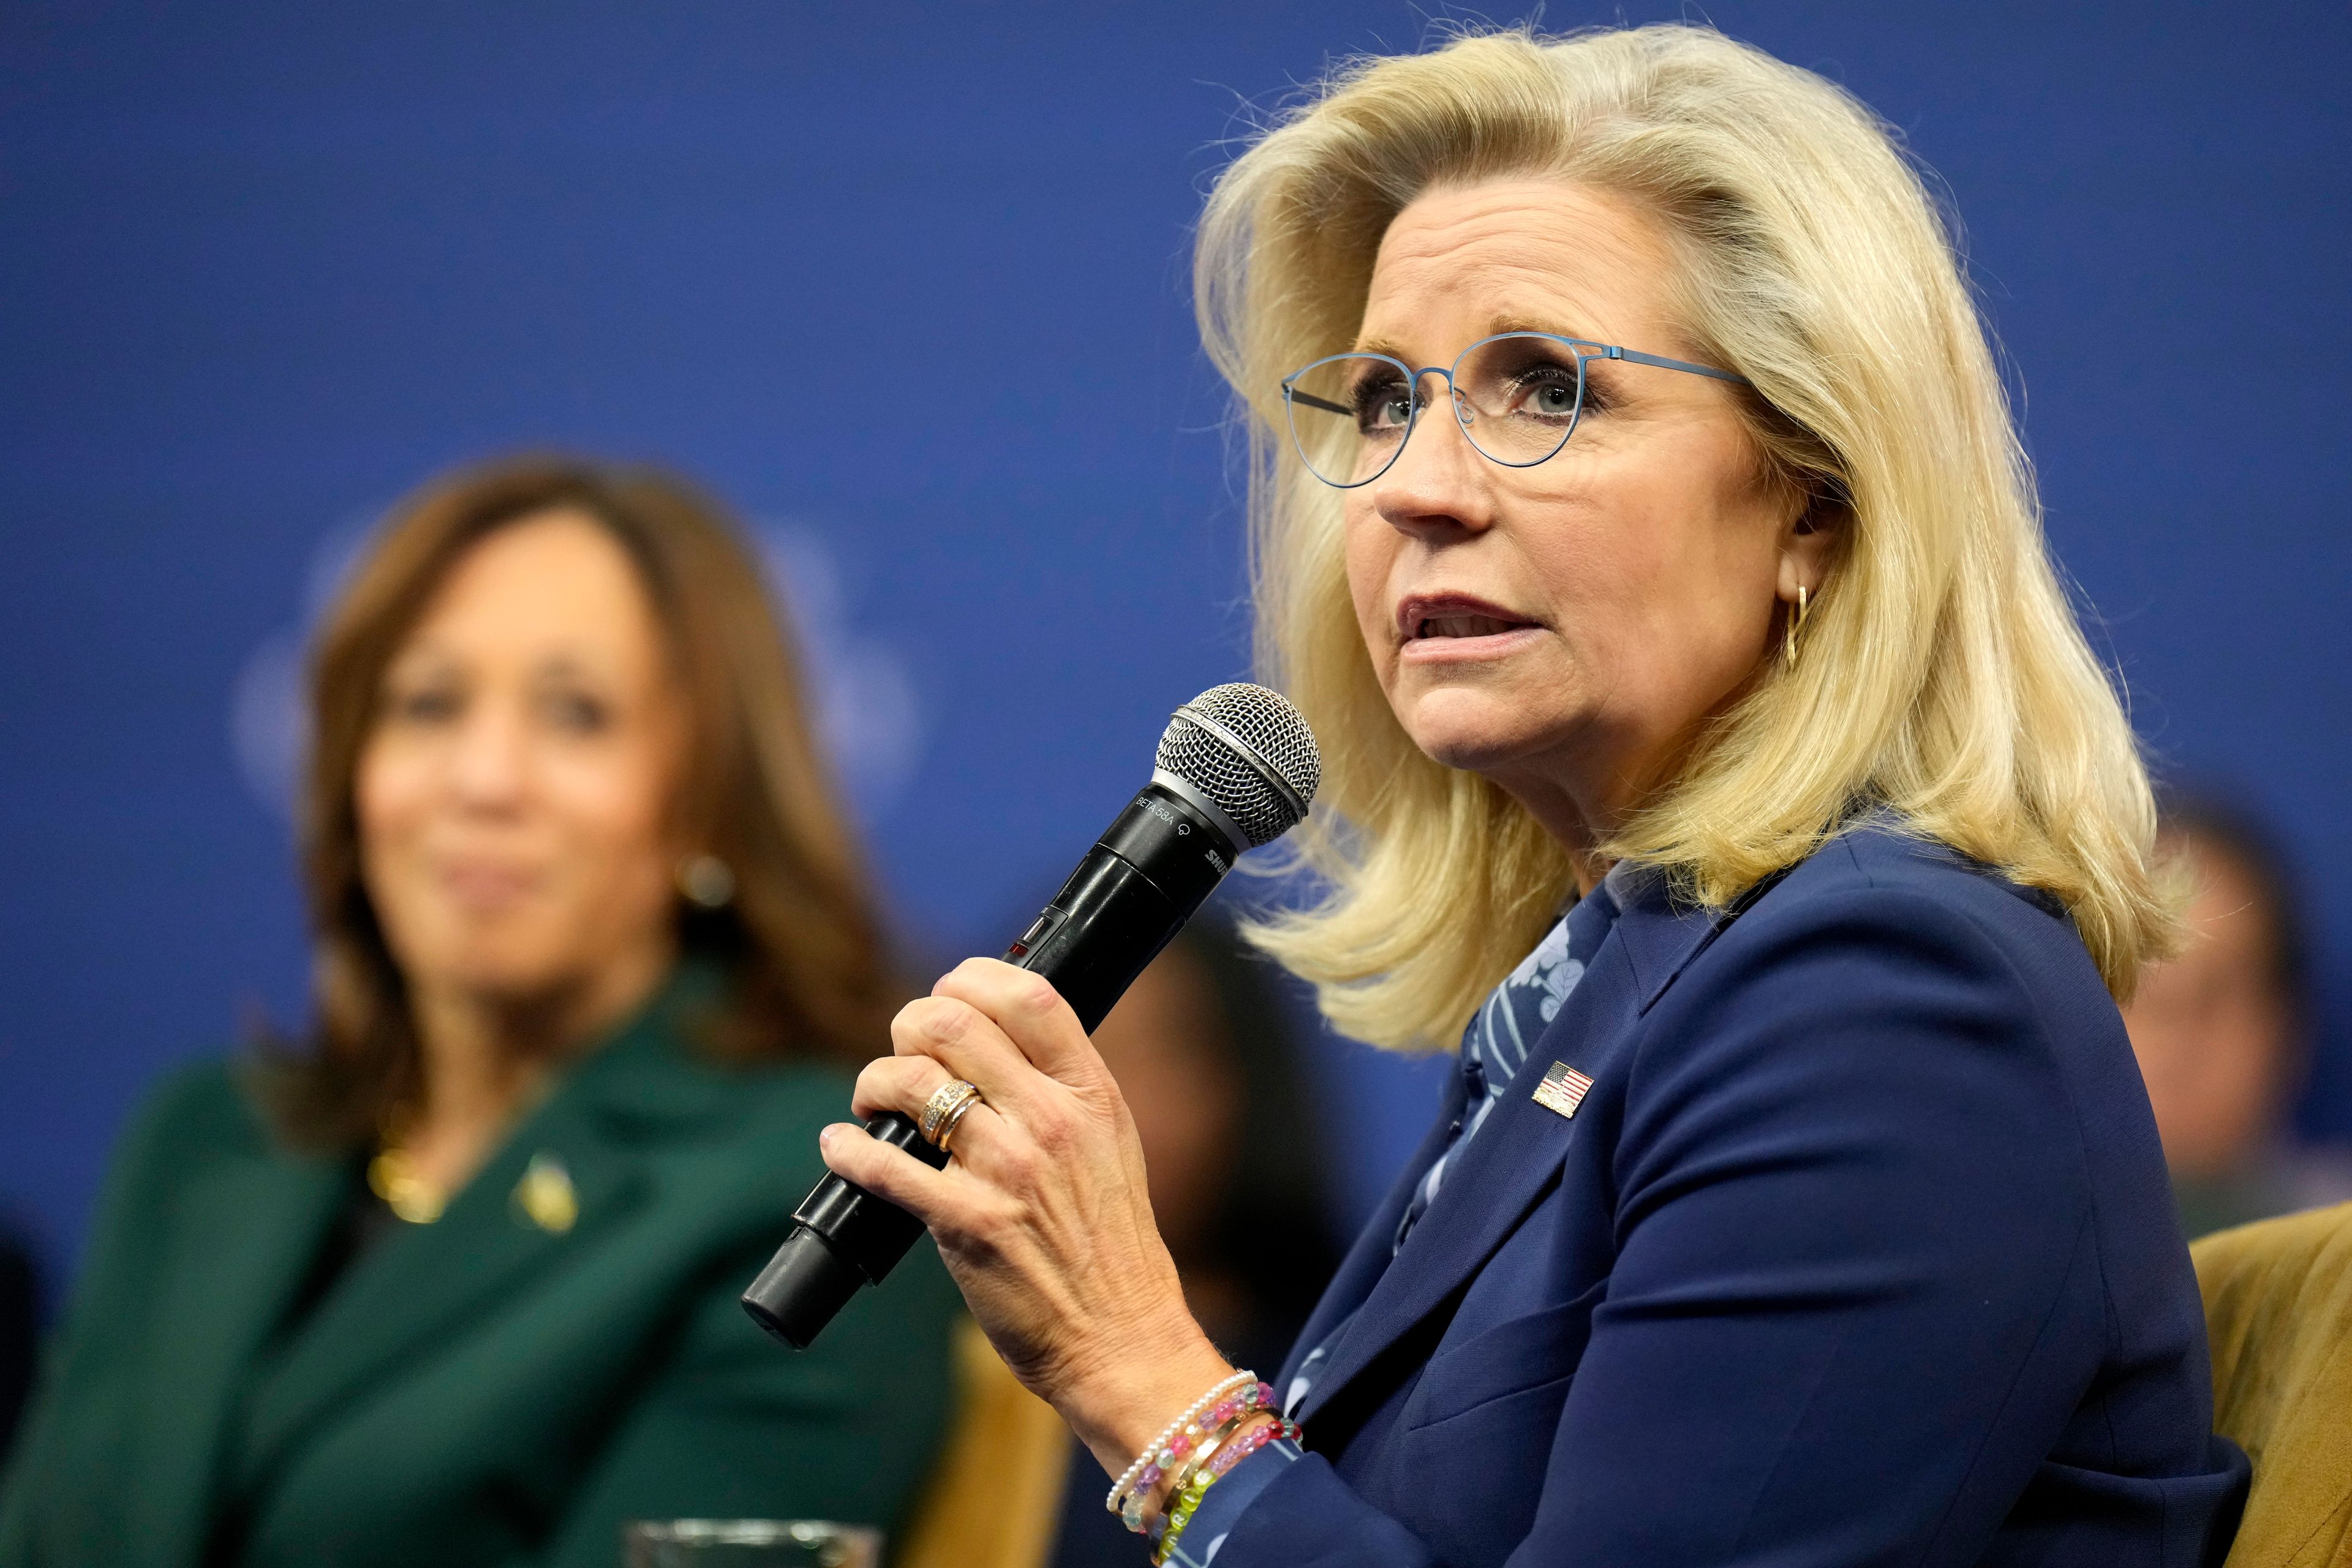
(1251,1442)
(1129,1500)
(1130,1487)
(1186,1500)
(1229,1416)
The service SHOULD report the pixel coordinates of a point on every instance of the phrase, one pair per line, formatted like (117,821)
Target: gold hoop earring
(1796,623)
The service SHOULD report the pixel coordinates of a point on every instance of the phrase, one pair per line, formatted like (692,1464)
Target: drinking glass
(749,1544)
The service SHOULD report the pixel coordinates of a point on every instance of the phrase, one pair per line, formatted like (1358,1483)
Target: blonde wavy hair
(1944,675)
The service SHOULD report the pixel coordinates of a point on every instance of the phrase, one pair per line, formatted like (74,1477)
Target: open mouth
(1464,626)
(1456,625)
(1431,623)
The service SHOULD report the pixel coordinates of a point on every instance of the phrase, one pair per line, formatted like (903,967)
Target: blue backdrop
(265,266)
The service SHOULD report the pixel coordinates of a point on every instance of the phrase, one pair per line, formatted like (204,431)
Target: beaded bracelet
(1186,1500)
(1250,1443)
(1185,1507)
(1186,1493)
(1225,1418)
(1232,1406)
(1131,1478)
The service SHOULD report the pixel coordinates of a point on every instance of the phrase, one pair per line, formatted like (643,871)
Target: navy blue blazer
(1859,1250)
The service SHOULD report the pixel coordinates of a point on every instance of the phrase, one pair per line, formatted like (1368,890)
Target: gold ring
(948,1099)
(954,1118)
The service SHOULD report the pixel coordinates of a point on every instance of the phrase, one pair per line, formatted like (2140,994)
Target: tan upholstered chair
(998,1491)
(2278,1304)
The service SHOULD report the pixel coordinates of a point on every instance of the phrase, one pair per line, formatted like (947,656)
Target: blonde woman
(1709,752)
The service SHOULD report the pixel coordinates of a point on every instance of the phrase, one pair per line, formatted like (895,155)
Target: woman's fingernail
(824,1137)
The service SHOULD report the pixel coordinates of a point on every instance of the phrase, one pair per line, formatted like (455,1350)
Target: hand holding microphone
(1042,1215)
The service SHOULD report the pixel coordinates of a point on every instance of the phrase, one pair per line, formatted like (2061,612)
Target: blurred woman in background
(456,1281)
(2223,1028)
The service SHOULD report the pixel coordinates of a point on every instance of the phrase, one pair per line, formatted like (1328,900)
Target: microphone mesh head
(1249,752)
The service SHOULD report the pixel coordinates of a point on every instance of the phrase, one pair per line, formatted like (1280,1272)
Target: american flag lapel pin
(1563,1089)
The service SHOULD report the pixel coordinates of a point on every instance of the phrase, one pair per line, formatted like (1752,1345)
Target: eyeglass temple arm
(1634,356)
(1297,396)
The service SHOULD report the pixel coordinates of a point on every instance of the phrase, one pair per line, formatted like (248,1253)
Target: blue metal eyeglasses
(1517,396)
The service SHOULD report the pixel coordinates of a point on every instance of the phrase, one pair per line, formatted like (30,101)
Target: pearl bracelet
(1171,1433)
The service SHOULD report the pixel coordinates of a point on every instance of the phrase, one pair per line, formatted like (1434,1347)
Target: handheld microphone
(1237,768)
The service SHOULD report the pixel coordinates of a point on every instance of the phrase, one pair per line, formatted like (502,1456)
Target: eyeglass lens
(1517,398)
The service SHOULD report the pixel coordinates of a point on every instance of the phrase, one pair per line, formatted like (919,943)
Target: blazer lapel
(422,1283)
(246,1231)
(1659,937)
(1516,1157)
(1367,1259)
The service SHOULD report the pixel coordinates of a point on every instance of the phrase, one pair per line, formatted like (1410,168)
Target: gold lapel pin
(544,1195)
(1562,1090)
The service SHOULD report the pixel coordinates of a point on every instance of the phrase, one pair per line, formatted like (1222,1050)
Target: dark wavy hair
(801,941)
(2230,823)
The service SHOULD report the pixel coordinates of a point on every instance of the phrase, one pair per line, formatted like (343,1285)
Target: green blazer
(500,1387)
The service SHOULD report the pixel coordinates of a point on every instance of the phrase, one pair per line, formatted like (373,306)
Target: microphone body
(1235,769)
(1144,878)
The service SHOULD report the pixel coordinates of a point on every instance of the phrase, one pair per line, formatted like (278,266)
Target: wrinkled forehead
(1461,262)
